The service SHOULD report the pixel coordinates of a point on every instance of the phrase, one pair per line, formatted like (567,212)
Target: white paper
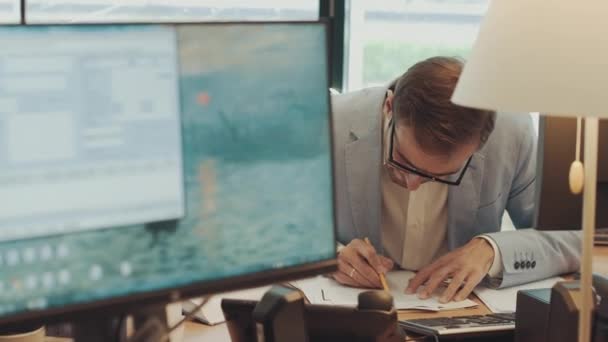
(322,290)
(504,300)
(211,313)
(312,288)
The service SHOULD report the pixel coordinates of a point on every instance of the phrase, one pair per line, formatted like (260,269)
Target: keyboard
(462,325)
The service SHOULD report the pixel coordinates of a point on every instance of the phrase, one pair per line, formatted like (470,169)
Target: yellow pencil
(381,275)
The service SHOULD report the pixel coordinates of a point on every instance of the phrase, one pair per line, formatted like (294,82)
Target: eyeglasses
(445,179)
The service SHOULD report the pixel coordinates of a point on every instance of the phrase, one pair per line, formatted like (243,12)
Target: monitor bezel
(124,304)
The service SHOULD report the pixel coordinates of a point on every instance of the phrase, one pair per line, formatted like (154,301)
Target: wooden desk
(600,260)
(195,332)
(199,332)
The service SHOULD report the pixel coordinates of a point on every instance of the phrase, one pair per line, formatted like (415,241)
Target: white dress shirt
(414,223)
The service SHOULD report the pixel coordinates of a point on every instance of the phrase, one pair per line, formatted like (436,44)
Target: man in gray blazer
(428,182)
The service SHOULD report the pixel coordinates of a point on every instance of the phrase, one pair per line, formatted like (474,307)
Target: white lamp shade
(548,56)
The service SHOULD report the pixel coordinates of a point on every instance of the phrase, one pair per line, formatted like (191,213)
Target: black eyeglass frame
(406,168)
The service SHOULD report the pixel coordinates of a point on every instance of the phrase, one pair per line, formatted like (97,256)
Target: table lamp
(547,56)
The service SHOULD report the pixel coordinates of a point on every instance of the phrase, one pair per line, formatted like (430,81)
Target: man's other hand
(359,265)
(466,266)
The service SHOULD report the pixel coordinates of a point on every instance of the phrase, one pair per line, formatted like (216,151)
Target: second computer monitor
(141,163)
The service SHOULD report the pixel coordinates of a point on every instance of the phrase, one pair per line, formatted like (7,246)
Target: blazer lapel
(363,162)
(463,201)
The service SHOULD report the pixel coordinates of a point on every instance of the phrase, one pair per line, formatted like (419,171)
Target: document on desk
(322,290)
(504,300)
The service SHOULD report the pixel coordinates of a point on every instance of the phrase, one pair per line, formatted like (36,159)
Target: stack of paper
(326,291)
(504,300)
(322,290)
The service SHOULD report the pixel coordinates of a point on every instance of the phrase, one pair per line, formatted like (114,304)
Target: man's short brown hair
(422,101)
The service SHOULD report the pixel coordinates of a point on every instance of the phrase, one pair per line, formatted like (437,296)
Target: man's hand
(466,266)
(359,265)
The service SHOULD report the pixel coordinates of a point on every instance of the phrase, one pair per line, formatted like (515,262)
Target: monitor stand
(149,324)
(97,329)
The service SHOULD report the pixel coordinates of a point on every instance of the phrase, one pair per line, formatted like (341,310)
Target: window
(385,37)
(10,11)
(61,11)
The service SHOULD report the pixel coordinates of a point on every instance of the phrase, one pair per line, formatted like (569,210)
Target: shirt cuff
(496,268)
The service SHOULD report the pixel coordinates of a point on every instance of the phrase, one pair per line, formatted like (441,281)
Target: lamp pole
(589,194)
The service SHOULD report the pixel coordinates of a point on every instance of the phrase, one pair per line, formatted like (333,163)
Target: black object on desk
(601,311)
(557,316)
(374,319)
(532,316)
(279,316)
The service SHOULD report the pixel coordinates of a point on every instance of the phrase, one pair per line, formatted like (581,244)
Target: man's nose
(413,181)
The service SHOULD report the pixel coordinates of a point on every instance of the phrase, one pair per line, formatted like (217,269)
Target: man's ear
(387,108)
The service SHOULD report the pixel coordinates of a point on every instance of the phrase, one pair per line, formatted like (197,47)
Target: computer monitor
(141,164)
(557,207)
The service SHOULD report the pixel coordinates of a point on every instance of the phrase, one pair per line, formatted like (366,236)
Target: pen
(381,275)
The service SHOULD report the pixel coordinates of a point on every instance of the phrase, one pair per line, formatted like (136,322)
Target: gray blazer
(500,177)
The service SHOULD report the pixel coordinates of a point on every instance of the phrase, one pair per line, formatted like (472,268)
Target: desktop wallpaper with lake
(257,177)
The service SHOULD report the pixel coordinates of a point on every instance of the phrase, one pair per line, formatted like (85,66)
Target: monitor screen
(85,146)
(97,11)
(241,193)
(10,11)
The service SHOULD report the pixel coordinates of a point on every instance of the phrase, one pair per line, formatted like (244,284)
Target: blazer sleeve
(528,254)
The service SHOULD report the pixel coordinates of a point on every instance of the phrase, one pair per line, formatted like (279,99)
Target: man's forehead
(410,151)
